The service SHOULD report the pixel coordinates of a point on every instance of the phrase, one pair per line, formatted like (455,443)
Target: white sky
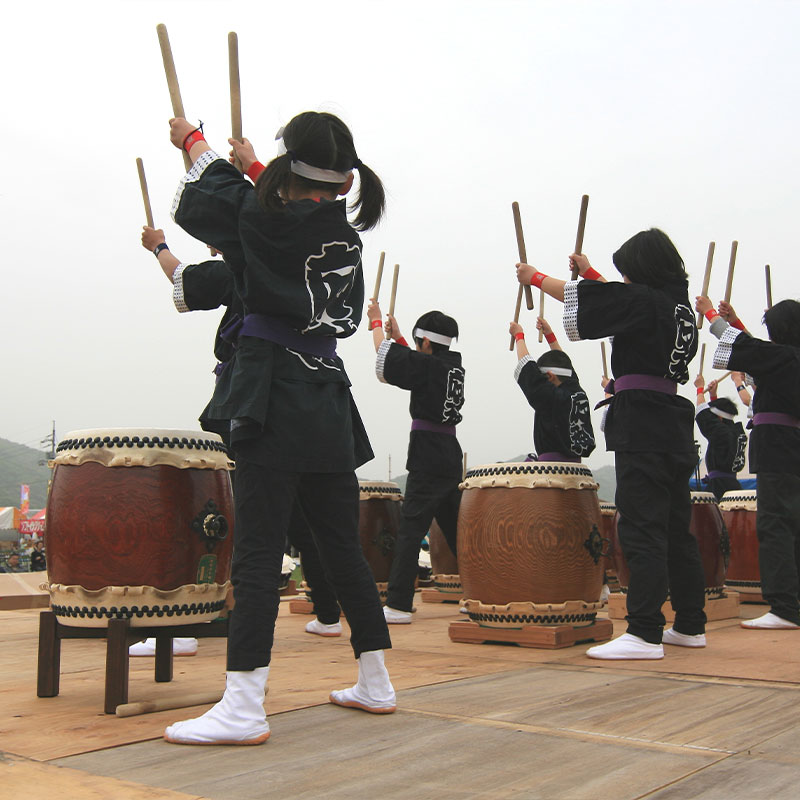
(670,114)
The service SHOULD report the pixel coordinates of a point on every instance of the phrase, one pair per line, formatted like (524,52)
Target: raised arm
(153,238)
(517,331)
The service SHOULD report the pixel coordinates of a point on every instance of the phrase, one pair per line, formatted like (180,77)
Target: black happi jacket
(562,422)
(727,441)
(776,371)
(654,334)
(299,267)
(436,383)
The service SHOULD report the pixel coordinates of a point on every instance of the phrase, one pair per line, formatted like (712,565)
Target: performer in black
(774,449)
(650,429)
(727,441)
(284,399)
(434,376)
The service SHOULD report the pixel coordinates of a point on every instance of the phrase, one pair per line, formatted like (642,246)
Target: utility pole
(51,449)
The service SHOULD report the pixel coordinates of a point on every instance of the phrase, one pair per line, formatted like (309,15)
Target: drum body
(380,505)
(608,528)
(529,545)
(443,563)
(140,526)
(739,515)
(712,540)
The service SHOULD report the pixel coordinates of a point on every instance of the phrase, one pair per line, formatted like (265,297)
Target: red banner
(33,527)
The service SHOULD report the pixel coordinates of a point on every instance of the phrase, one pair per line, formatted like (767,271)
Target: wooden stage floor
(473,721)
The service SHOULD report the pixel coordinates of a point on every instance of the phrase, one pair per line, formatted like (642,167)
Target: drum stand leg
(117,668)
(49,666)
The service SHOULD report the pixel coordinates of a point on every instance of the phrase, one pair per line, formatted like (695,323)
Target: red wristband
(550,337)
(592,274)
(701,390)
(711,315)
(712,396)
(194,137)
(402,341)
(376,323)
(254,170)
(537,278)
(738,324)
(519,336)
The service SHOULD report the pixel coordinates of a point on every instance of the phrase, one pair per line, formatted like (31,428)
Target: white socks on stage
(321,629)
(395,617)
(768,621)
(671,636)
(626,647)
(374,691)
(239,718)
(180,647)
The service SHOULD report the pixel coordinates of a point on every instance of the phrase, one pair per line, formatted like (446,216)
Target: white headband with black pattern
(723,414)
(562,372)
(308,170)
(421,333)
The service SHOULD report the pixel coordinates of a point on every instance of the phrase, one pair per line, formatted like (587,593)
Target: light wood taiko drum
(738,510)
(380,506)
(529,545)
(139,527)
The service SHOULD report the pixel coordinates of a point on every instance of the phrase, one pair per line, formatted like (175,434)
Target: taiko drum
(380,505)
(444,563)
(608,526)
(139,526)
(712,540)
(529,544)
(738,510)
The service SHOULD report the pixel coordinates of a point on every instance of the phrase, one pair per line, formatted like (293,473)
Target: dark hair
(783,322)
(555,358)
(724,404)
(650,258)
(436,322)
(322,140)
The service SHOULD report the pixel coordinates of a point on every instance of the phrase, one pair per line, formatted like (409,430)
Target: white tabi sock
(626,647)
(321,629)
(374,691)
(180,647)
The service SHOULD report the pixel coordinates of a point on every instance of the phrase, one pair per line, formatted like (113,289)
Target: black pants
(654,505)
(778,528)
(427,497)
(718,486)
(264,501)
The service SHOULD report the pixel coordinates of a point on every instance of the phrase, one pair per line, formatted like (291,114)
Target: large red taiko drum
(380,506)
(738,510)
(444,563)
(712,540)
(529,544)
(608,512)
(139,527)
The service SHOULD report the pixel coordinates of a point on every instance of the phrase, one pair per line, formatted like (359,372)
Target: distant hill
(20,465)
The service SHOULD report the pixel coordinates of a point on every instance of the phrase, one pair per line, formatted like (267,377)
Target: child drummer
(434,376)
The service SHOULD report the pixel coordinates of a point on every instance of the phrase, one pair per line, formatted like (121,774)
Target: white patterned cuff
(382,351)
(522,362)
(193,175)
(177,289)
(571,311)
(700,408)
(724,349)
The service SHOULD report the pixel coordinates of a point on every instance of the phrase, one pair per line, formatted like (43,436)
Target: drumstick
(579,237)
(172,81)
(166,703)
(702,358)
(379,277)
(722,378)
(523,254)
(769,287)
(148,212)
(236,94)
(603,353)
(706,279)
(516,313)
(394,290)
(731,263)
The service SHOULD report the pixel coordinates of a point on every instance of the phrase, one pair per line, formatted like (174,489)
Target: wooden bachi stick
(394,290)
(722,377)
(731,264)
(581,229)
(516,314)
(769,286)
(236,93)
(148,211)
(378,277)
(702,358)
(706,280)
(172,81)
(166,703)
(523,253)
(605,363)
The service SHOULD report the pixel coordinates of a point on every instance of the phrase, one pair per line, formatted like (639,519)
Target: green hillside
(20,464)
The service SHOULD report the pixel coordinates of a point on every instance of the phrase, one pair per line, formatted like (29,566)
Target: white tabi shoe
(626,647)
(769,621)
(180,647)
(395,617)
(671,636)
(321,629)
(239,718)
(605,593)
(374,691)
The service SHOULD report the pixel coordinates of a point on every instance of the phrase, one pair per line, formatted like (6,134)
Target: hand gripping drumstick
(379,277)
(731,263)
(236,94)
(166,703)
(172,81)
(148,212)
(394,291)
(769,286)
(579,237)
(706,279)
(603,354)
(516,314)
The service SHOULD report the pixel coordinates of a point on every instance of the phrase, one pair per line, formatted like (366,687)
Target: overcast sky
(680,115)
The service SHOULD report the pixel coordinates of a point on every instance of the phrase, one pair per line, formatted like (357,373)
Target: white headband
(307,170)
(421,333)
(560,371)
(723,414)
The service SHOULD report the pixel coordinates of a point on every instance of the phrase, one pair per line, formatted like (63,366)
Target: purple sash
(650,383)
(775,418)
(432,427)
(555,456)
(262,326)
(715,473)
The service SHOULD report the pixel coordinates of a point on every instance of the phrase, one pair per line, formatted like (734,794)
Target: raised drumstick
(523,253)
(172,81)
(236,93)
(579,237)
(731,263)
(394,290)
(516,313)
(706,279)
(603,354)
(148,212)
(769,286)
(378,277)
(702,358)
